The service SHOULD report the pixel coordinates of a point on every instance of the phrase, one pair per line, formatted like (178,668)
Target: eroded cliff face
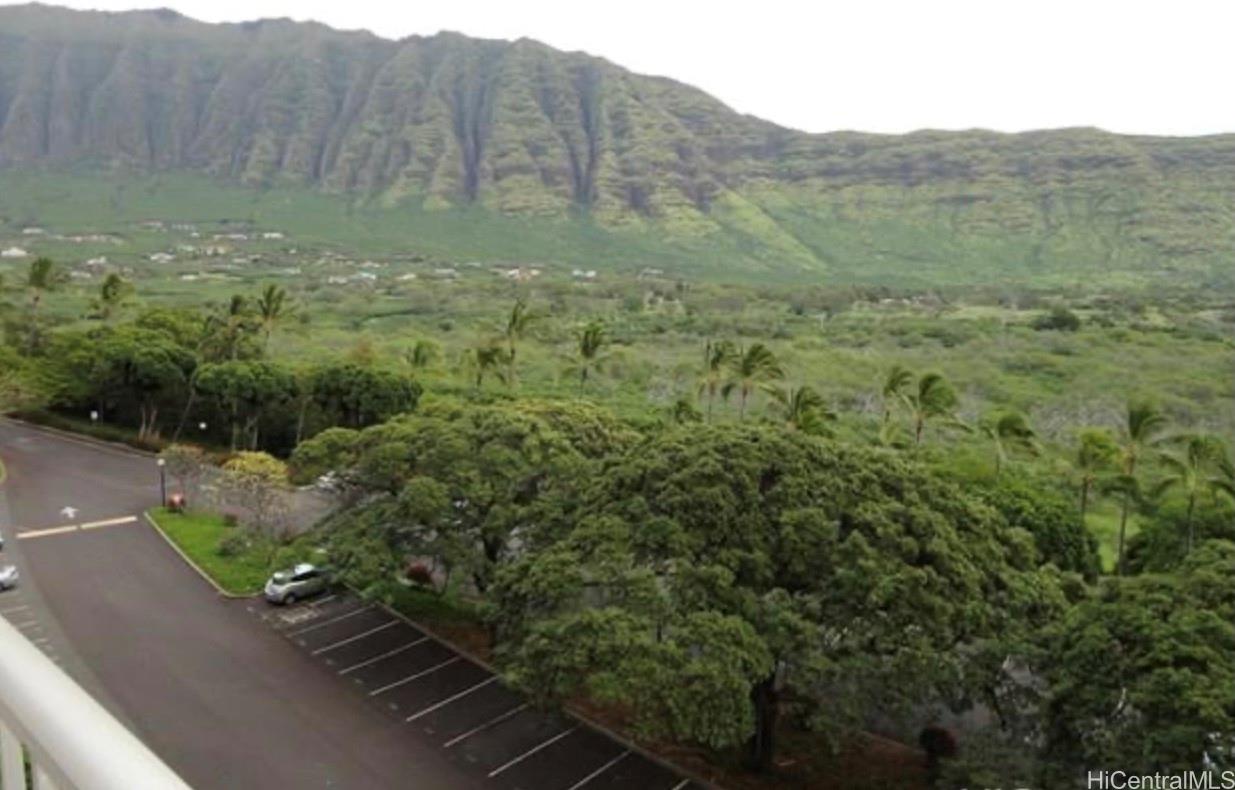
(520,128)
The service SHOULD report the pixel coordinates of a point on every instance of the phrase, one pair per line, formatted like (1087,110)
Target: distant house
(33,231)
(407,277)
(273,235)
(162,257)
(448,274)
(14,252)
(582,274)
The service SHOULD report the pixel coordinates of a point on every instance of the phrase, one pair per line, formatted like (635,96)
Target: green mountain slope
(515,136)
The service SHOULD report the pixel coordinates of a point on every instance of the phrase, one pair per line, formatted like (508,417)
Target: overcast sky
(1134,66)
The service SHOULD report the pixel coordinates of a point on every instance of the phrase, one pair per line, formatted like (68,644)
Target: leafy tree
(933,398)
(143,367)
(1008,431)
(42,278)
(716,357)
(256,482)
(1201,466)
(714,576)
(802,409)
(1036,506)
(751,369)
(1141,676)
(187,465)
(1095,458)
(246,391)
(354,396)
(1141,432)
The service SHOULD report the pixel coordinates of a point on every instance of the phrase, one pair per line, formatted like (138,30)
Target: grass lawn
(198,535)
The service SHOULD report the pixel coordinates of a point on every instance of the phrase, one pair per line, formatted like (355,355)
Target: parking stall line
(321,601)
(25,625)
(415,676)
(13,609)
(490,723)
(387,654)
(359,636)
(331,621)
(530,752)
(681,784)
(451,699)
(600,770)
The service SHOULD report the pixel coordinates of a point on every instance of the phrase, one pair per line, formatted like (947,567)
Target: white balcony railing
(55,736)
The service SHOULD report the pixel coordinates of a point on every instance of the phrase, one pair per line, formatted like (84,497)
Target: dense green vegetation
(736,515)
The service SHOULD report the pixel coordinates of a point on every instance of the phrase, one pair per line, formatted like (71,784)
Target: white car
(287,587)
(8,577)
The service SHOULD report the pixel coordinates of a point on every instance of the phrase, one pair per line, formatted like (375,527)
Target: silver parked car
(302,581)
(8,577)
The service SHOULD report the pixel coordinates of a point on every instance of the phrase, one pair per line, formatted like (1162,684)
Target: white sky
(1134,66)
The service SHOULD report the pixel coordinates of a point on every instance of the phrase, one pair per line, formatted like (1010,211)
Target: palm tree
(1095,457)
(1008,431)
(272,307)
(421,355)
(716,356)
(894,385)
(1140,433)
(227,326)
(1202,466)
(517,323)
(932,399)
(484,359)
(802,409)
(589,355)
(749,370)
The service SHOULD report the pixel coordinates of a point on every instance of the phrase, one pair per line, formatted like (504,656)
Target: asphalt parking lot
(455,704)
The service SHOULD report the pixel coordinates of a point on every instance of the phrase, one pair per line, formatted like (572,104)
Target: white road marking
(38,533)
(27,624)
(415,676)
(599,770)
(109,522)
(681,784)
(68,511)
(501,717)
(331,621)
(532,751)
(327,599)
(387,654)
(351,639)
(14,609)
(451,699)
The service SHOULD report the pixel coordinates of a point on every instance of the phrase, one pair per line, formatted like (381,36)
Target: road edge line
(570,710)
(189,561)
(82,438)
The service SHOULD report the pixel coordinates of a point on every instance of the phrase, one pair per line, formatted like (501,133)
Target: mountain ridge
(519,129)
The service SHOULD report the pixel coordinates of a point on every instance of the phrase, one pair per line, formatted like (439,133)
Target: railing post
(12,764)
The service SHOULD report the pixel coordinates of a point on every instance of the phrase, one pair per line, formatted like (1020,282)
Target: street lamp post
(162,462)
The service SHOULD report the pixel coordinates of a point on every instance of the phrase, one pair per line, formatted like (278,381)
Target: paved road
(234,694)
(227,703)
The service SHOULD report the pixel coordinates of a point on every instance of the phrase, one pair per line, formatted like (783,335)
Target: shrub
(1059,319)
(232,545)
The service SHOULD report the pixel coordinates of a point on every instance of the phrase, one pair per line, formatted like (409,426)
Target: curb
(570,710)
(188,561)
(81,438)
